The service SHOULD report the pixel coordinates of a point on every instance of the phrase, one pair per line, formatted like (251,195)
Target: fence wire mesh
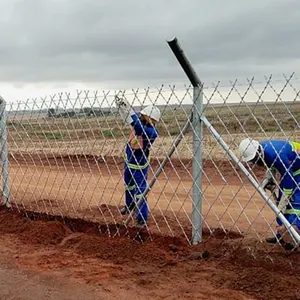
(66,156)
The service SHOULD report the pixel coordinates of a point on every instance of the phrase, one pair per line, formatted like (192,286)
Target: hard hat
(152,111)
(248,148)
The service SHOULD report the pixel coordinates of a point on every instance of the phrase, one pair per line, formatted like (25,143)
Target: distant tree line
(85,111)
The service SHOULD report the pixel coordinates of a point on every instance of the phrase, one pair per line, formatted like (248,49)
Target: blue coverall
(137,165)
(284,156)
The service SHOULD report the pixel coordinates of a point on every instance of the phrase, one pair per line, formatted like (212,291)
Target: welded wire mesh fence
(66,155)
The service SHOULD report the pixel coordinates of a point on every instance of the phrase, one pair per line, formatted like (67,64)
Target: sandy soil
(64,238)
(92,188)
(52,260)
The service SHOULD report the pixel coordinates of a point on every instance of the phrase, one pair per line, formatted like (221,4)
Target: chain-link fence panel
(66,157)
(265,111)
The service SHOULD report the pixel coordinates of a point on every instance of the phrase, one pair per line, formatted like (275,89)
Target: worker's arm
(286,181)
(149,131)
(269,181)
(283,166)
(125,110)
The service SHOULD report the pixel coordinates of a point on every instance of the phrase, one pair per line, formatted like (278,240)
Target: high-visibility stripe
(139,196)
(296,173)
(137,167)
(295,147)
(288,191)
(292,211)
(130,188)
(134,166)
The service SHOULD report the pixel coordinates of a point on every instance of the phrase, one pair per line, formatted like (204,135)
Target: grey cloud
(125,41)
(261,35)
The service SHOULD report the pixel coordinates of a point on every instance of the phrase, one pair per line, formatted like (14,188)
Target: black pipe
(184,62)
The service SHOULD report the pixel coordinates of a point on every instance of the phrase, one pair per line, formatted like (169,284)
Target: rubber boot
(140,223)
(288,246)
(275,239)
(125,210)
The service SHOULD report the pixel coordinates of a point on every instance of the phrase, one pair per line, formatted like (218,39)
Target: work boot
(125,210)
(141,223)
(275,239)
(288,246)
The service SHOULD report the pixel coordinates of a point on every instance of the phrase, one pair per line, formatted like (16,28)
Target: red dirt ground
(92,188)
(45,257)
(55,260)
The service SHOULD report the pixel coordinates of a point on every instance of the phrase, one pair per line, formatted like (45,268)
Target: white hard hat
(248,148)
(151,111)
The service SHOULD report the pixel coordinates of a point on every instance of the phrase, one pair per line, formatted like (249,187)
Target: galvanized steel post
(197,165)
(4,155)
(197,139)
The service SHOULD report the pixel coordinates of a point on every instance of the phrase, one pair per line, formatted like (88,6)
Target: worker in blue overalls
(137,156)
(283,157)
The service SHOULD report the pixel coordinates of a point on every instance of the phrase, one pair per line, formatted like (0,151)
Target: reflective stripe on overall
(135,178)
(295,148)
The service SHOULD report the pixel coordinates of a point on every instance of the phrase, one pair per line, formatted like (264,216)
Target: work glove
(120,102)
(284,201)
(269,185)
(125,110)
(268,182)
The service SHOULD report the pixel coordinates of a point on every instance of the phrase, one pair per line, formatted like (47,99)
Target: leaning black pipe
(184,62)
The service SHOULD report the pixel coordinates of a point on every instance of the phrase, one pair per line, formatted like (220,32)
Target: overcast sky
(59,44)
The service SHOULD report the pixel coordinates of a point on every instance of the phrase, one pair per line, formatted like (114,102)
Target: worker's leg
(289,241)
(140,179)
(130,190)
(292,214)
(277,238)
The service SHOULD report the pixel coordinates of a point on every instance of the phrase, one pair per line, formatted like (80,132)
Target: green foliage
(52,135)
(51,113)
(109,133)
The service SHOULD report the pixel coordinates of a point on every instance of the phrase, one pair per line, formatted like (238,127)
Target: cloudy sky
(59,45)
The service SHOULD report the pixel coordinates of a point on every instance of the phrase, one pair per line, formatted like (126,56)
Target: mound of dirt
(229,261)
(40,232)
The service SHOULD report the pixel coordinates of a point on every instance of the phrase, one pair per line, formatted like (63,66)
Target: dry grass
(107,135)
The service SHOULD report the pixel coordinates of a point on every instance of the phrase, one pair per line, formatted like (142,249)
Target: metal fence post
(197,139)
(197,165)
(4,154)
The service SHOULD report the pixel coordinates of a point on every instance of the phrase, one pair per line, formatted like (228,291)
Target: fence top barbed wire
(164,91)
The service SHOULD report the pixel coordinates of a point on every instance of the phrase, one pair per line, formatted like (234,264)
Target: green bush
(53,135)
(109,133)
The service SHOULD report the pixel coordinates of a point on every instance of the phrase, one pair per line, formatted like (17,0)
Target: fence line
(65,156)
